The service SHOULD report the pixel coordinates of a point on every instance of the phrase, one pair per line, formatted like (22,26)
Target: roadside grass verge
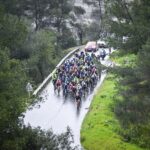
(100,127)
(123,59)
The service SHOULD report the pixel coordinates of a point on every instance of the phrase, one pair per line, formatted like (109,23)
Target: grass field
(99,129)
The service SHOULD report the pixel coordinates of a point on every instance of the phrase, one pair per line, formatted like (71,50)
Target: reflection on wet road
(57,113)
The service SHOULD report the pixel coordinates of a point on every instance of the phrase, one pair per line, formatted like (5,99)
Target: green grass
(99,129)
(123,59)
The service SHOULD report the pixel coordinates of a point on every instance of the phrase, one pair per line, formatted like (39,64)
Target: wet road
(57,113)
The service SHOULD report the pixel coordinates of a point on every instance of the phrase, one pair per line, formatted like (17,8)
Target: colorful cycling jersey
(76,80)
(79,87)
(54,77)
(58,82)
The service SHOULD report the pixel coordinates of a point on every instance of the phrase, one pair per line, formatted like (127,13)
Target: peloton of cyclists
(76,76)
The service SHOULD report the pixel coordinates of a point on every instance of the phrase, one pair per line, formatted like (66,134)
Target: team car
(91,46)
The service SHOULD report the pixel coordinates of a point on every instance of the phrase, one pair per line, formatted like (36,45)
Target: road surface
(56,112)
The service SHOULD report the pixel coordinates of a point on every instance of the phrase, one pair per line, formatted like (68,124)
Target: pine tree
(129,20)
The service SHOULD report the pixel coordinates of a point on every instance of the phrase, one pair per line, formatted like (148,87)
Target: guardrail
(45,82)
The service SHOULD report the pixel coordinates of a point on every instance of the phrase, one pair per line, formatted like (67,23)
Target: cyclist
(78,100)
(54,79)
(58,85)
(65,89)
